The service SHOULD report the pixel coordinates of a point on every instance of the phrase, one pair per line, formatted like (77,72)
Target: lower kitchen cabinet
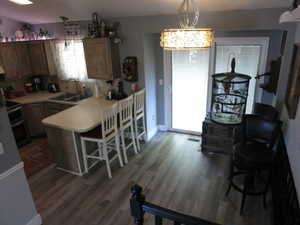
(34,114)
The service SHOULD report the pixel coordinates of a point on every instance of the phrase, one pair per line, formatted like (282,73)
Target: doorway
(188,81)
(251,59)
(187,84)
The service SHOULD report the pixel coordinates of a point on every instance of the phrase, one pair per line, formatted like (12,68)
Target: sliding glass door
(189,89)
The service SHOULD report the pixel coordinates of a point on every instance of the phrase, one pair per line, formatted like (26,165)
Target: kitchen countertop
(36,97)
(83,117)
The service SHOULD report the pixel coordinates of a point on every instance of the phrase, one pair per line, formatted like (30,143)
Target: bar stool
(139,117)
(104,135)
(253,157)
(266,111)
(126,123)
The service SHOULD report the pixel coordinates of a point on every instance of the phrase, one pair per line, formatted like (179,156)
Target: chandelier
(187,37)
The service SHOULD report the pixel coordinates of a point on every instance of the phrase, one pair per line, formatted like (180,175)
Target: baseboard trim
(10,171)
(151,133)
(162,127)
(37,220)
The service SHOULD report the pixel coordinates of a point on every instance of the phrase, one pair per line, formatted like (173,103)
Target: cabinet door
(98,58)
(9,59)
(23,60)
(38,58)
(34,113)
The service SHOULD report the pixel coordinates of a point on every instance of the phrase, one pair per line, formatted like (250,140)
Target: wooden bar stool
(126,124)
(107,139)
(139,117)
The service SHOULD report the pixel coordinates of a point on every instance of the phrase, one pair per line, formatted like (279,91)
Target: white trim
(37,220)
(168,87)
(161,127)
(10,171)
(70,171)
(151,133)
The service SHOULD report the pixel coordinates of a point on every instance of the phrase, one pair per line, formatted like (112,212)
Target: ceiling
(48,11)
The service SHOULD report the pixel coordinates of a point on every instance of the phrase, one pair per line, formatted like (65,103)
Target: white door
(251,57)
(187,84)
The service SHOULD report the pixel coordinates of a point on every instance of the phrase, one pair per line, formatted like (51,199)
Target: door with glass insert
(250,55)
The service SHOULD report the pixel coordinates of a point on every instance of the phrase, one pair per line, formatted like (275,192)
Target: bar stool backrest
(139,102)
(266,111)
(125,110)
(261,130)
(109,121)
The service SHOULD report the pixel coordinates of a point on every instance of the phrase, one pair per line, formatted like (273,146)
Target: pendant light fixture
(187,37)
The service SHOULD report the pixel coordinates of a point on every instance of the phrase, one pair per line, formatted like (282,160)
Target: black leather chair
(266,111)
(253,157)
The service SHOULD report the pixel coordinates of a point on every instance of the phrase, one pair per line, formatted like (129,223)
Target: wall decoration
(130,69)
(293,88)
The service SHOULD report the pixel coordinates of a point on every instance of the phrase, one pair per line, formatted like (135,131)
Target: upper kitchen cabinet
(41,58)
(38,58)
(8,56)
(23,60)
(102,58)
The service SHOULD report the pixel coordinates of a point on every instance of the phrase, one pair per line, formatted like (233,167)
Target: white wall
(150,60)
(291,128)
(8,26)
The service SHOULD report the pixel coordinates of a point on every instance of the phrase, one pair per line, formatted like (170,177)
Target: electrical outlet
(1,149)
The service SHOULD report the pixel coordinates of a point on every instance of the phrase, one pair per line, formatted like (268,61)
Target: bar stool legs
(140,131)
(133,143)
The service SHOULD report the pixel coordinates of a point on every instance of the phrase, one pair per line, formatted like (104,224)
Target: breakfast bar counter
(81,118)
(63,132)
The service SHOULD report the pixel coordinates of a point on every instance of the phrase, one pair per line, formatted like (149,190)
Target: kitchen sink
(70,97)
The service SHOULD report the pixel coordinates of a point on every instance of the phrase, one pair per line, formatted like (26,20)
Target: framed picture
(130,70)
(293,88)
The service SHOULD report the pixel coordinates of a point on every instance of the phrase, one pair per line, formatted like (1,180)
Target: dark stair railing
(139,207)
(286,210)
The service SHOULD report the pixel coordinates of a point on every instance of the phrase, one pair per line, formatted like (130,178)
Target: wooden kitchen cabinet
(23,60)
(38,58)
(102,58)
(8,55)
(34,114)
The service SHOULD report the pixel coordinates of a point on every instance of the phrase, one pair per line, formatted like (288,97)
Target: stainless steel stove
(18,125)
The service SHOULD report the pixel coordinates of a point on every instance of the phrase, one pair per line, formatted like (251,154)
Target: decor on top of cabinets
(71,28)
(130,69)
(187,37)
(293,91)
(97,28)
(229,96)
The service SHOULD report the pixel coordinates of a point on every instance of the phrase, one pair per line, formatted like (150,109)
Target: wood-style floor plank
(173,173)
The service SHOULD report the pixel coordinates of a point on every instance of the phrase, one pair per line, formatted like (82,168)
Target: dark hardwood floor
(174,174)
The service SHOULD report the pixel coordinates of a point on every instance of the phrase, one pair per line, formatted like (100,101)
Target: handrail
(139,206)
